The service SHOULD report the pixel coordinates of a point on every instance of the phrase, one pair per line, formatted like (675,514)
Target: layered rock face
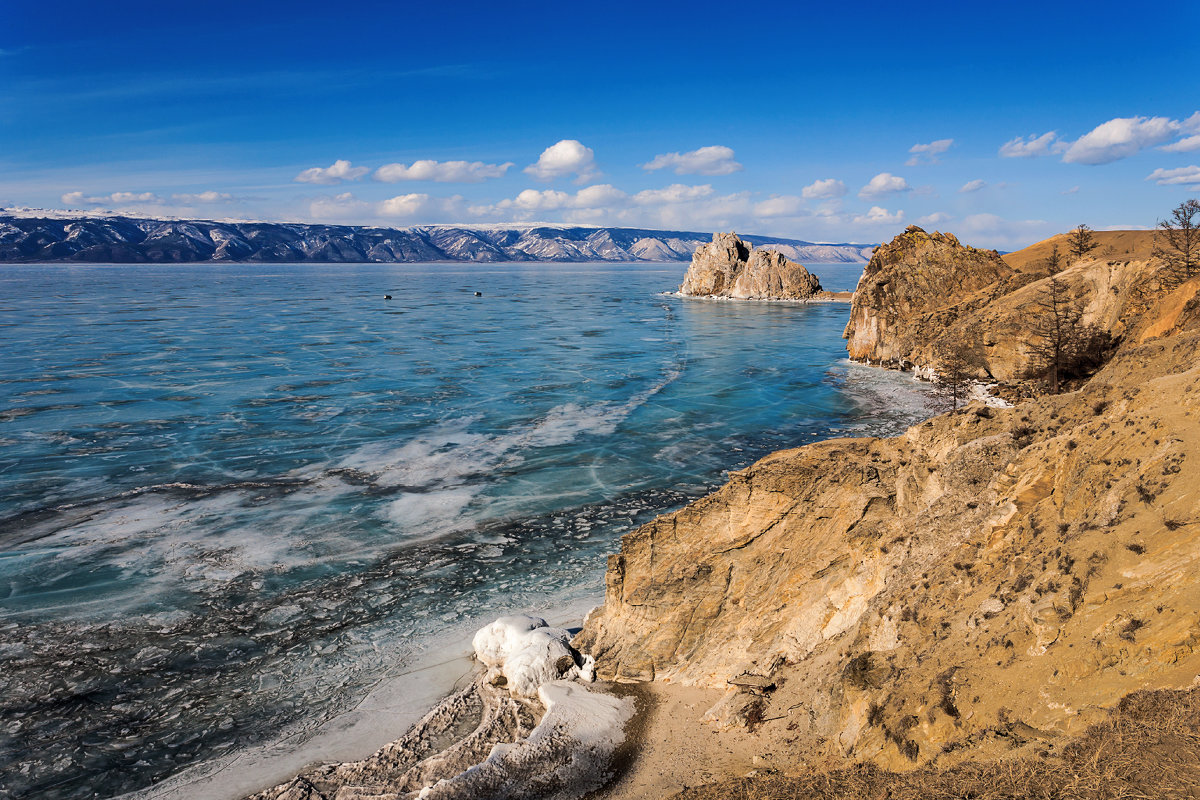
(921,291)
(990,579)
(728,267)
(913,288)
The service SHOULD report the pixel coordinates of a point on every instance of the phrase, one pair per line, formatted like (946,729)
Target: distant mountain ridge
(27,236)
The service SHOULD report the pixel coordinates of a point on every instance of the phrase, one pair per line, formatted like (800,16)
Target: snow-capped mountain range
(41,236)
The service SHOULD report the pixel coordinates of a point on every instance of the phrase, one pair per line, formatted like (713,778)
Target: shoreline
(385,713)
(648,759)
(820,297)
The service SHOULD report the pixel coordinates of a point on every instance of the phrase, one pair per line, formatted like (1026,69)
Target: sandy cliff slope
(991,578)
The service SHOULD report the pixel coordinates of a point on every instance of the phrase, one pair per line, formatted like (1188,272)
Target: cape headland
(988,585)
(999,600)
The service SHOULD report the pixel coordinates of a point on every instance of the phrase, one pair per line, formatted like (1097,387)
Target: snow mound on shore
(528,653)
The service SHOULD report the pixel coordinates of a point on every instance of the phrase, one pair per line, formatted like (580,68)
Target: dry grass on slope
(1149,747)
(1112,246)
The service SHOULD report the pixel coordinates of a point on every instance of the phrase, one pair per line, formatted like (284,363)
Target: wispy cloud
(75,199)
(442,171)
(928,153)
(1032,146)
(1185,145)
(203,198)
(338,171)
(1182,176)
(1120,138)
(712,160)
(972,186)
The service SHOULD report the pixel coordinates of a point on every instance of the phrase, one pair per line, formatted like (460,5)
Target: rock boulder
(729,267)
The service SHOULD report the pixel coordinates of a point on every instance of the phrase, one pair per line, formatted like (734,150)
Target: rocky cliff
(67,236)
(728,267)
(921,292)
(913,289)
(990,580)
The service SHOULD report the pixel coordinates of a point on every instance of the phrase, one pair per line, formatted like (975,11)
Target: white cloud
(936,218)
(534,200)
(671,207)
(711,160)
(928,153)
(1120,138)
(675,193)
(203,198)
(780,205)
(343,207)
(442,171)
(829,187)
(1031,146)
(116,198)
(1182,176)
(564,158)
(338,171)
(599,196)
(404,205)
(411,208)
(972,186)
(1072,190)
(884,183)
(1185,145)
(879,216)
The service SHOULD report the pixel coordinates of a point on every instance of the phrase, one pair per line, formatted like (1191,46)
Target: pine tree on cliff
(1080,242)
(960,360)
(1054,326)
(1177,242)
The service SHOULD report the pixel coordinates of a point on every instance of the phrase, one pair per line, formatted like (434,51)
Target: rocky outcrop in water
(993,579)
(728,267)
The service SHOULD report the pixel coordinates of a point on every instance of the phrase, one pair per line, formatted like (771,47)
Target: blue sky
(784,119)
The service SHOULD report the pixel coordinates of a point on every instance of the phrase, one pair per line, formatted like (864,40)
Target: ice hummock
(540,733)
(570,750)
(528,653)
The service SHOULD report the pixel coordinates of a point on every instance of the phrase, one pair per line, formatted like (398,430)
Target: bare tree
(1177,242)
(960,360)
(1080,242)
